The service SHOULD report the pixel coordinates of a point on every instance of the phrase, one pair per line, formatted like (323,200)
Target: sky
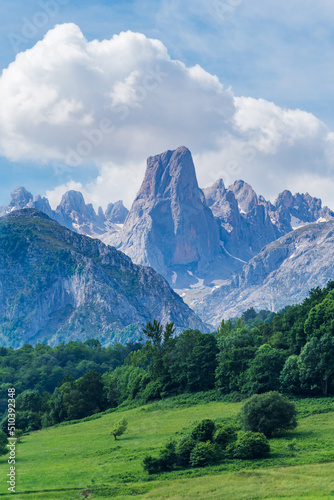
(89,90)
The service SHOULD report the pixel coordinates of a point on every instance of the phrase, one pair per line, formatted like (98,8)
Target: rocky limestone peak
(170,174)
(20,198)
(284,200)
(109,210)
(72,201)
(245,195)
(43,205)
(169,223)
(214,193)
(116,213)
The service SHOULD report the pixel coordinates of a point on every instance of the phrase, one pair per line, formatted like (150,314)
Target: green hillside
(82,460)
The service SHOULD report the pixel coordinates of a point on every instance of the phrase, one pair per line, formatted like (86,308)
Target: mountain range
(72,212)
(222,249)
(57,285)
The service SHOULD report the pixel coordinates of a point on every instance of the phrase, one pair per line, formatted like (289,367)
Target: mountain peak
(245,195)
(20,198)
(73,200)
(169,223)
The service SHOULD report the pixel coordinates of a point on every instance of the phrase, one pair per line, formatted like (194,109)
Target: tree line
(291,351)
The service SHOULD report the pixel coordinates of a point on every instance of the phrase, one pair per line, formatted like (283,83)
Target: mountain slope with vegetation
(56,285)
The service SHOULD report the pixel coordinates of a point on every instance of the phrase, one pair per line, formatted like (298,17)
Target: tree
(264,370)
(236,350)
(158,338)
(250,445)
(321,318)
(204,431)
(268,413)
(184,449)
(290,378)
(225,435)
(317,362)
(119,428)
(202,454)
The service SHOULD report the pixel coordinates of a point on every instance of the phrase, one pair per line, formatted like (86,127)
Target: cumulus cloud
(115,102)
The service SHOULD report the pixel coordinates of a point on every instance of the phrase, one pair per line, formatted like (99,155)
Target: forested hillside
(292,351)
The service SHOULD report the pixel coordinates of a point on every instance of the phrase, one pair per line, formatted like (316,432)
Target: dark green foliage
(290,382)
(168,457)
(204,431)
(151,464)
(264,370)
(268,413)
(250,445)
(190,362)
(236,350)
(225,435)
(3,443)
(202,454)
(317,362)
(184,449)
(165,462)
(320,320)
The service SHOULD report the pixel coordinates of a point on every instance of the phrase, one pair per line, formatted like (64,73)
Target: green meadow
(82,460)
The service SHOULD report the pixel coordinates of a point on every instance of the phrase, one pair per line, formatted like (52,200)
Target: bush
(204,431)
(268,413)
(151,464)
(164,463)
(152,391)
(183,451)
(203,454)
(250,445)
(167,457)
(225,435)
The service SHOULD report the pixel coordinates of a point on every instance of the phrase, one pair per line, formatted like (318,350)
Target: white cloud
(115,102)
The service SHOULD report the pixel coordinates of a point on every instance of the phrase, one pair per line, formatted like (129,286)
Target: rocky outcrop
(56,285)
(244,220)
(169,226)
(116,212)
(281,274)
(20,198)
(72,212)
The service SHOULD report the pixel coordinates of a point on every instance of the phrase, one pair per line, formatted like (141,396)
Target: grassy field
(82,460)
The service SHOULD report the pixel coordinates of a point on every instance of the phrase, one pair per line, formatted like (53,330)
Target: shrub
(204,431)
(225,435)
(164,463)
(183,451)
(152,391)
(268,413)
(151,464)
(202,454)
(167,457)
(250,445)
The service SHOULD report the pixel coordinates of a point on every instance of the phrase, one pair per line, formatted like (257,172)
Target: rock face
(20,198)
(72,212)
(116,212)
(169,225)
(290,212)
(244,220)
(281,274)
(56,285)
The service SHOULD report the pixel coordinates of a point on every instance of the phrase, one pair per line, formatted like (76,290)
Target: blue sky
(281,51)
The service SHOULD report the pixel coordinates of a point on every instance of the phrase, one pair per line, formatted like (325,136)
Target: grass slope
(82,460)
